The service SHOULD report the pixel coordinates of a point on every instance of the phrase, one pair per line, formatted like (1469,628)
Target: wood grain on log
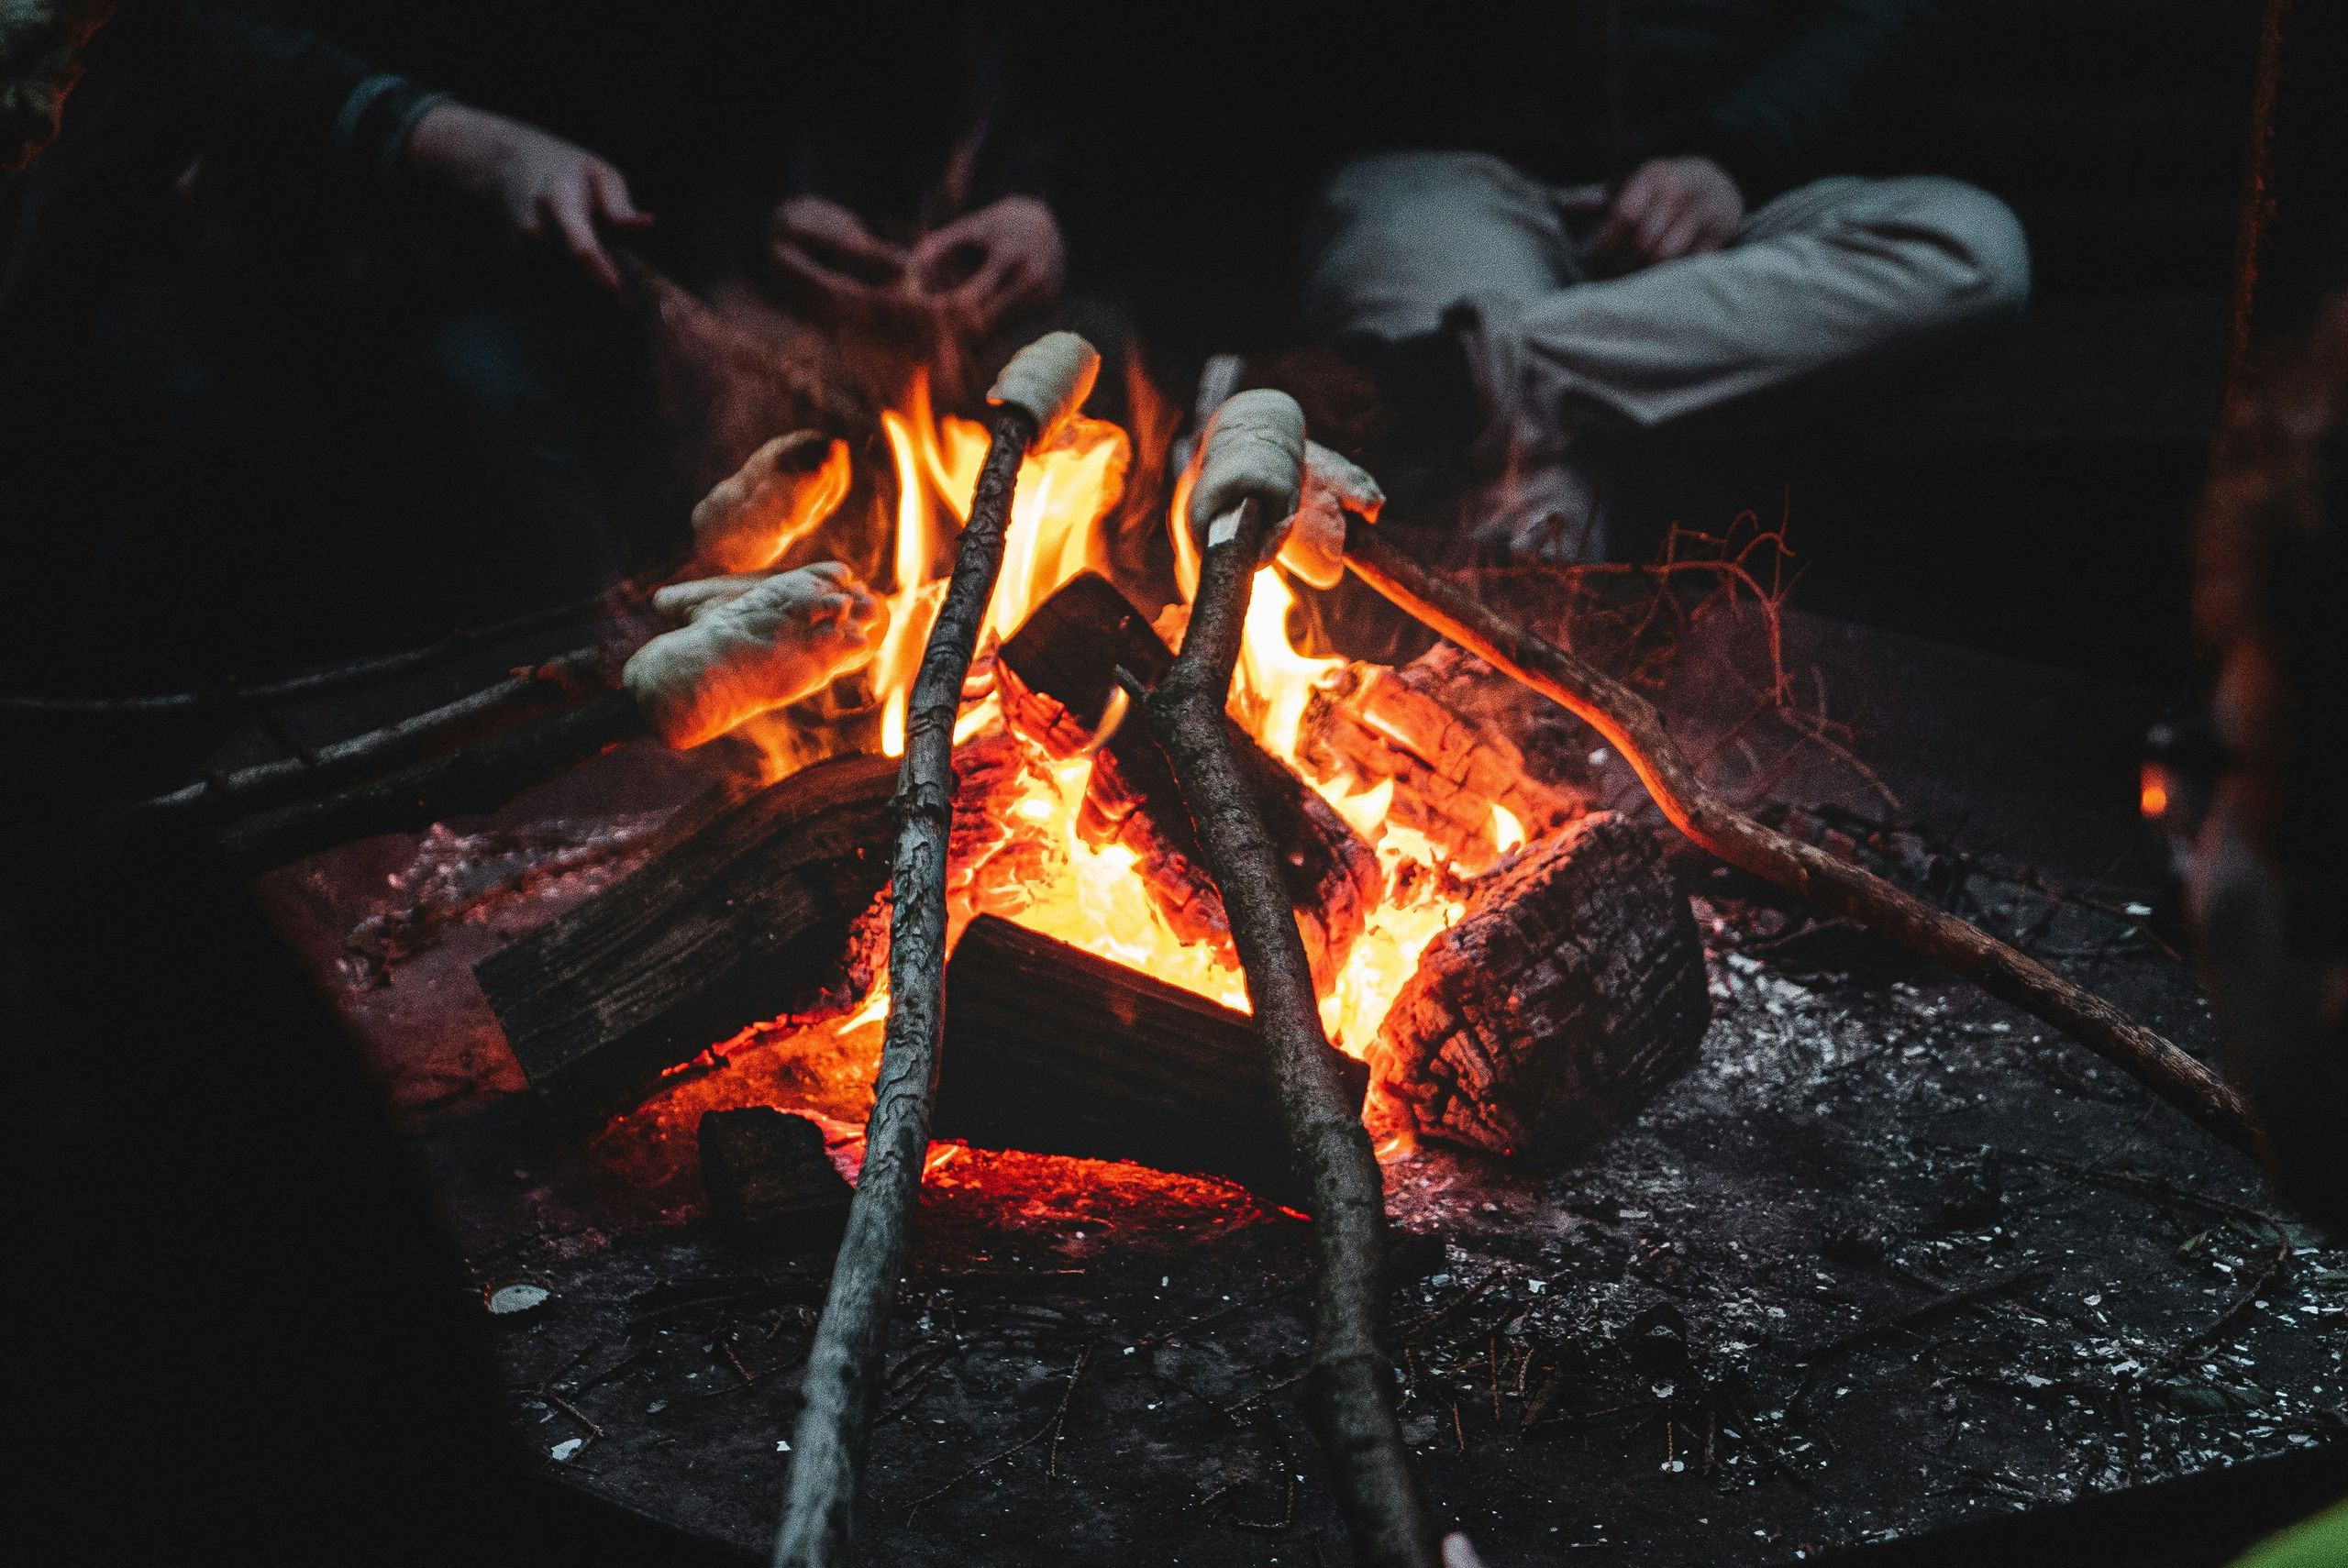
(1055,676)
(734,924)
(1054,1051)
(1571,989)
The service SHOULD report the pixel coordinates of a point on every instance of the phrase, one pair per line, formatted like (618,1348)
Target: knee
(1986,256)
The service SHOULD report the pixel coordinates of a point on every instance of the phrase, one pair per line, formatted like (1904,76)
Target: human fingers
(1681,238)
(1662,215)
(570,206)
(612,197)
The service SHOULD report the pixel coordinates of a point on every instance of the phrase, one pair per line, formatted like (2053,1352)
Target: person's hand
(1668,208)
(545,188)
(823,253)
(989,266)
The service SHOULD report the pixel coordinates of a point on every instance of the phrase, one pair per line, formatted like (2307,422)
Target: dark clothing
(710,109)
(1776,92)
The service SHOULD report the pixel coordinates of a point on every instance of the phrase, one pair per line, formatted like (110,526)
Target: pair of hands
(1668,208)
(978,271)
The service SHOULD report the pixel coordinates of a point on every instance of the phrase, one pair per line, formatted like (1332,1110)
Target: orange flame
(1091,896)
(1064,492)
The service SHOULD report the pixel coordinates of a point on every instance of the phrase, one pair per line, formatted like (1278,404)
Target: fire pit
(1860,1249)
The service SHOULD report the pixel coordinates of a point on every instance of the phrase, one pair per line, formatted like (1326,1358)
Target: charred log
(1571,990)
(736,921)
(767,1172)
(1421,726)
(1056,675)
(1052,1050)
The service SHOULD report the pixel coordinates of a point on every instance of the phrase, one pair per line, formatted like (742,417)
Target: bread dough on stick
(786,490)
(1050,379)
(680,603)
(1333,485)
(764,648)
(1254,450)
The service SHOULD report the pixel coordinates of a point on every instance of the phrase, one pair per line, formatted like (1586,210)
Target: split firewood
(1350,1383)
(738,655)
(1052,1050)
(1569,992)
(1418,727)
(785,491)
(1833,886)
(741,915)
(1038,393)
(1057,678)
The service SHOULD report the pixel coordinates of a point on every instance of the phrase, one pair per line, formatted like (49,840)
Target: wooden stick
(843,1364)
(562,682)
(379,667)
(1833,886)
(477,779)
(1350,1384)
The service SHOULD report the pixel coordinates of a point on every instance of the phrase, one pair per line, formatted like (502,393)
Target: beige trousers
(1838,271)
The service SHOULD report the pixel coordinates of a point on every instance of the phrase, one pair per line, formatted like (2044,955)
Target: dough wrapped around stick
(1254,450)
(1050,379)
(764,647)
(1333,485)
(784,492)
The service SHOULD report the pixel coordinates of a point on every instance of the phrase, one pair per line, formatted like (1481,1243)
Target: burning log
(1054,1051)
(1038,389)
(1250,478)
(1057,679)
(1414,726)
(1571,991)
(1833,886)
(725,927)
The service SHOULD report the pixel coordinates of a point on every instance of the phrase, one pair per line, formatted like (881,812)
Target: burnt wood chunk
(1054,1051)
(740,919)
(1057,674)
(766,1171)
(1571,991)
(1427,727)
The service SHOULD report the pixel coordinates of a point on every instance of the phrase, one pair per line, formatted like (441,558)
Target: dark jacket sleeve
(273,93)
(1807,105)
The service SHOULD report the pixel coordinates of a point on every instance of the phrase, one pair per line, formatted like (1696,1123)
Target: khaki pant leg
(1836,271)
(1397,239)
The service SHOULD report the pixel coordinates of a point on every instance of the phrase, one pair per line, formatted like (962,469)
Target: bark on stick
(1351,1381)
(1832,886)
(844,1363)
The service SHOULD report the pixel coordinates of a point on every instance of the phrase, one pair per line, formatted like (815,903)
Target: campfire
(1405,821)
(1212,903)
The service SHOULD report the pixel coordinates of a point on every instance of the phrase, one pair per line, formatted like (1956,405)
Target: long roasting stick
(1040,387)
(1350,1384)
(1835,887)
